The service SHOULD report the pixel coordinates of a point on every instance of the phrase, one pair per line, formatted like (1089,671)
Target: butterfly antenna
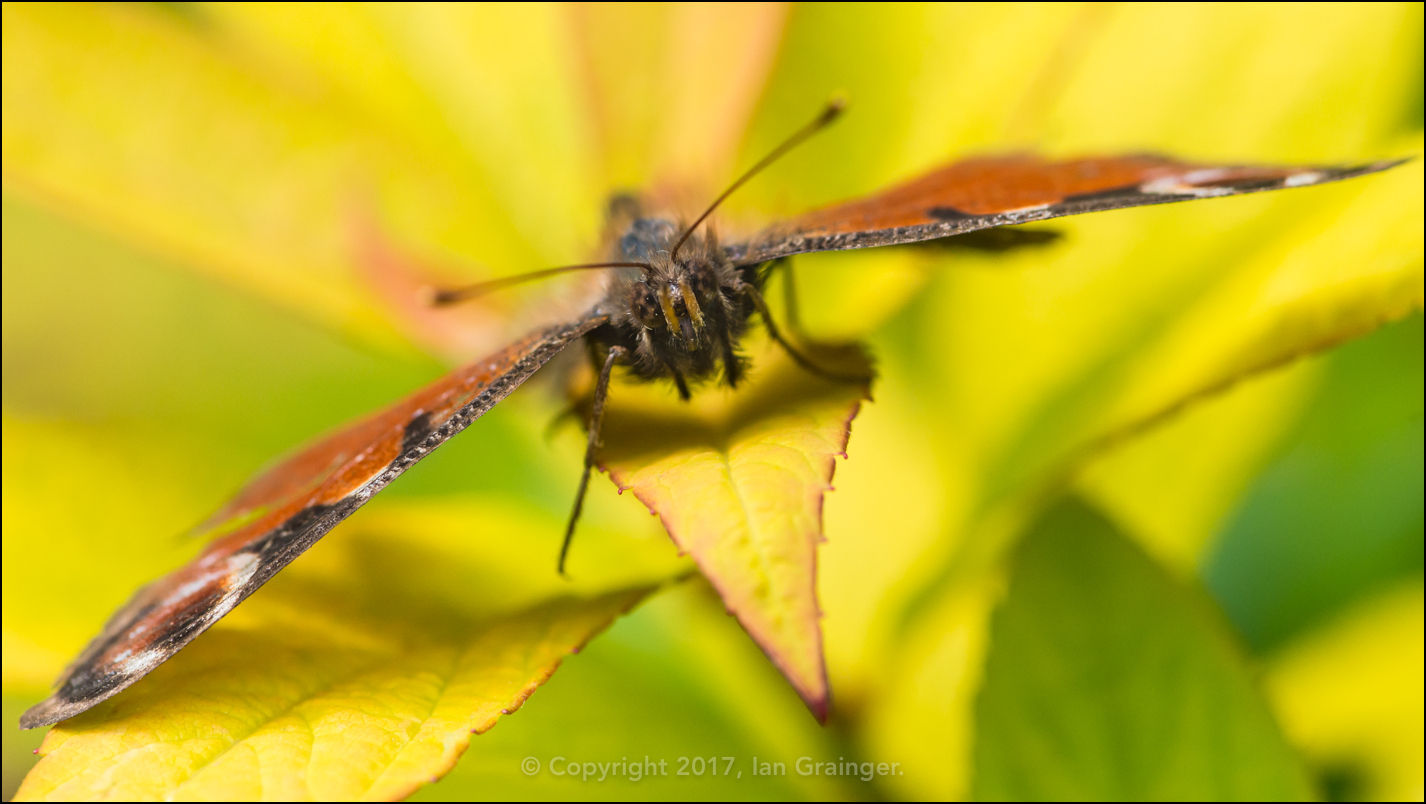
(443,296)
(834,108)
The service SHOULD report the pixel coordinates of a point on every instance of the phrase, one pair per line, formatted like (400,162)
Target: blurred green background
(1119,523)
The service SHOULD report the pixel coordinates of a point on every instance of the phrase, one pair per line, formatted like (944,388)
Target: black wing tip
(1385,164)
(52,710)
(1327,174)
(1367,168)
(1291,177)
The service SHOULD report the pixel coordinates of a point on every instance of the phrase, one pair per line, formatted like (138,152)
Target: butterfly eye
(645,307)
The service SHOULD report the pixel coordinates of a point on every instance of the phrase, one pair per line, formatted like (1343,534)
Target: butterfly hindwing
(282,513)
(999,191)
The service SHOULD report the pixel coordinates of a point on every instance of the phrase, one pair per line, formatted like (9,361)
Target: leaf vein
(289,709)
(435,702)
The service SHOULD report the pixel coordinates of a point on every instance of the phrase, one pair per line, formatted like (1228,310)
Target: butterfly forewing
(999,191)
(284,511)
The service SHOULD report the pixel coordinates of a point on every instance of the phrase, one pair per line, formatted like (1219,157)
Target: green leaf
(738,483)
(1338,512)
(1106,681)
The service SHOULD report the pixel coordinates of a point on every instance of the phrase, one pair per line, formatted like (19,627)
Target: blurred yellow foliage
(1351,697)
(191,192)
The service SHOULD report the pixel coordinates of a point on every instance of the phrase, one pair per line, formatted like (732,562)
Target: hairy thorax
(680,318)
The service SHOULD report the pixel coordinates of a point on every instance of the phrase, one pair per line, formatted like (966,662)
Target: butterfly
(675,307)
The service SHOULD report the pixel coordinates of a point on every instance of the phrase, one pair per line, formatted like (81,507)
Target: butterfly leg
(682,384)
(571,410)
(801,359)
(791,310)
(733,368)
(596,419)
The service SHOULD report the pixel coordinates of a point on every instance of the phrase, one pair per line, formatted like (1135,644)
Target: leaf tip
(819,707)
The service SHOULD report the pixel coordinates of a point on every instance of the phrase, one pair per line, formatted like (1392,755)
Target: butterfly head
(683,313)
(673,291)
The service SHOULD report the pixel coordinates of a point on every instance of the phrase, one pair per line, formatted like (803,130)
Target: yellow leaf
(925,719)
(1321,283)
(1173,485)
(360,671)
(738,483)
(289,704)
(1350,697)
(235,162)
(672,88)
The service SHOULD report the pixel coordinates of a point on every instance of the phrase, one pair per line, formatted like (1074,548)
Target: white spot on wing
(242,564)
(1175,185)
(191,588)
(144,662)
(1204,176)
(1161,186)
(1302,179)
(236,570)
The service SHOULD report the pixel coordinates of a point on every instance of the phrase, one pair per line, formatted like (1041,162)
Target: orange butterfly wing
(283,512)
(999,191)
